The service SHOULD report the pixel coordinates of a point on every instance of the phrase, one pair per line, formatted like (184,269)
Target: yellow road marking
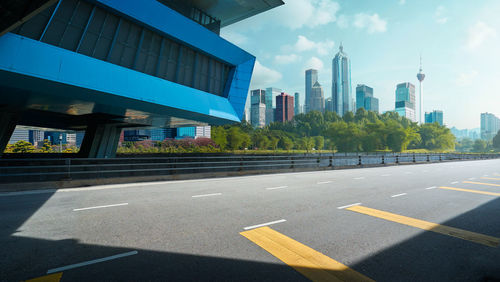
(310,263)
(491,178)
(481,183)
(54,277)
(430,226)
(470,191)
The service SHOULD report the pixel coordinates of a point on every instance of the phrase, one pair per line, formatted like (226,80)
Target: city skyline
(384,41)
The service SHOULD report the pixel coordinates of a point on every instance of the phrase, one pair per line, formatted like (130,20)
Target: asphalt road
(398,223)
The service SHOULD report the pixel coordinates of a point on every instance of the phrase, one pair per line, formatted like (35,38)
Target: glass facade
(365,99)
(341,83)
(311,79)
(434,116)
(490,125)
(405,100)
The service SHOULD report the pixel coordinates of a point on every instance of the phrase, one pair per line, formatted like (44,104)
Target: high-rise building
(18,135)
(193,132)
(36,137)
(490,125)
(328,104)
(365,99)
(56,137)
(421,76)
(317,99)
(341,83)
(271,94)
(311,79)
(285,108)
(405,100)
(434,116)
(258,108)
(297,103)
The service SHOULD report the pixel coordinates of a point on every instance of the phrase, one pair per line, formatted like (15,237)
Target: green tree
(46,147)
(306,143)
(479,146)
(22,146)
(274,142)
(287,143)
(235,138)
(261,141)
(219,136)
(496,141)
(319,142)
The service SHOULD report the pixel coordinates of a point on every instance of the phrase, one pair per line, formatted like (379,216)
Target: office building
(490,125)
(258,108)
(311,79)
(104,65)
(341,83)
(36,137)
(328,104)
(365,99)
(18,135)
(271,94)
(317,99)
(434,116)
(193,132)
(405,100)
(285,108)
(297,107)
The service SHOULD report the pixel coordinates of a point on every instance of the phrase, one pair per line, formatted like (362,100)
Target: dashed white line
(206,195)
(274,188)
(472,178)
(71,266)
(346,206)
(324,182)
(385,175)
(429,188)
(454,182)
(398,195)
(99,207)
(264,224)
(358,178)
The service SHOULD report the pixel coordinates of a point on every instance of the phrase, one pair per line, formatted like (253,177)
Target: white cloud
(478,34)
(233,37)
(402,2)
(372,23)
(440,15)
(314,63)
(466,78)
(286,59)
(304,44)
(263,76)
(342,21)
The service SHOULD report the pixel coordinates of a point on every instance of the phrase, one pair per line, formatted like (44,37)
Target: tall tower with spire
(341,83)
(421,77)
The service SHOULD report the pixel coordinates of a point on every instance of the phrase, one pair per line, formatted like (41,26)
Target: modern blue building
(434,116)
(104,65)
(365,99)
(341,83)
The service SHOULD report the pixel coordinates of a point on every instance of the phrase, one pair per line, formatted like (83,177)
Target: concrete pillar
(7,126)
(100,141)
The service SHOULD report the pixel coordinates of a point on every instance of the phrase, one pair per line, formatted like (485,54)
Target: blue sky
(459,41)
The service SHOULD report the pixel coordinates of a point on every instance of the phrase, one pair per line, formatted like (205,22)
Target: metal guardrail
(33,170)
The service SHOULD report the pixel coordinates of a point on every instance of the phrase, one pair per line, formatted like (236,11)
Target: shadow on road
(426,257)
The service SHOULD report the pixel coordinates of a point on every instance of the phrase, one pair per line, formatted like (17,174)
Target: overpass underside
(104,65)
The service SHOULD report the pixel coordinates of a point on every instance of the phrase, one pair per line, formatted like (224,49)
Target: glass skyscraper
(311,79)
(341,83)
(297,103)
(365,99)
(271,94)
(490,125)
(405,100)
(434,116)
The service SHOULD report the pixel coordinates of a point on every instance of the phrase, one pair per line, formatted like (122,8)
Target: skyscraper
(317,99)
(311,79)
(434,116)
(421,76)
(297,103)
(405,100)
(328,104)
(284,107)
(271,94)
(490,125)
(258,108)
(365,99)
(341,83)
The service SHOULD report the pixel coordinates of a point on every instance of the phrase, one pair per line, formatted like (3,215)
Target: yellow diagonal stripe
(470,191)
(55,277)
(430,226)
(481,183)
(490,178)
(310,263)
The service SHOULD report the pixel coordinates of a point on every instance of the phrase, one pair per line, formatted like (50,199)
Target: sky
(459,42)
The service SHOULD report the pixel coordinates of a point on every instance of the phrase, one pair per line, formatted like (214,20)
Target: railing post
(359,160)
(383,159)
(440,158)
(330,158)
(428,158)
(397,159)
(414,158)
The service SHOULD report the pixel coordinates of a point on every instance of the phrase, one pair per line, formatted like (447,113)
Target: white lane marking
(324,182)
(71,266)
(358,178)
(429,188)
(454,182)
(274,188)
(472,178)
(100,207)
(398,195)
(264,224)
(347,206)
(206,195)
(485,175)
(385,175)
